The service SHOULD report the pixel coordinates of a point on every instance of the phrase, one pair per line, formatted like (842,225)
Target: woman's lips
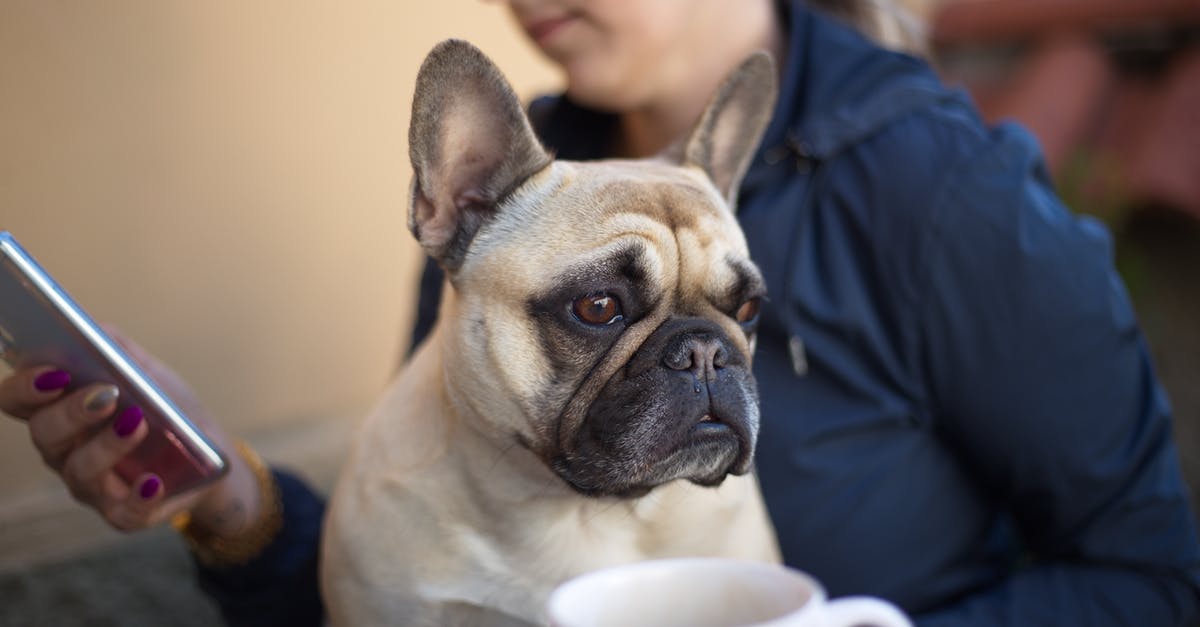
(541,31)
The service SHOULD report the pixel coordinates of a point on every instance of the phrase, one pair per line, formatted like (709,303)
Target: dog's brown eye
(597,309)
(748,311)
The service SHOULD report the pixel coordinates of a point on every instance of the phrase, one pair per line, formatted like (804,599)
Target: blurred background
(226,182)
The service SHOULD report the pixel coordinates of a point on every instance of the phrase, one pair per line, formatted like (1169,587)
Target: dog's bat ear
(724,141)
(470,143)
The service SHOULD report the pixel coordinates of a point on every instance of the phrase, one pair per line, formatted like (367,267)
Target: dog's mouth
(609,463)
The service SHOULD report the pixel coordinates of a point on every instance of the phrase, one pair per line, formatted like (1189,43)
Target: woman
(959,412)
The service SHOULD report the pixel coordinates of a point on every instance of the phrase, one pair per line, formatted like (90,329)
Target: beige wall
(226,181)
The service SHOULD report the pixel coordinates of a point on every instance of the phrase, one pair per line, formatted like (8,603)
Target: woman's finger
(25,390)
(141,506)
(85,469)
(58,428)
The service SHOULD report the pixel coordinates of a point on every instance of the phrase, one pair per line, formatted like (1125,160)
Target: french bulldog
(586,397)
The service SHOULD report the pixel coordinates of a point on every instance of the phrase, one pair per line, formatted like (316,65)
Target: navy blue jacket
(958,410)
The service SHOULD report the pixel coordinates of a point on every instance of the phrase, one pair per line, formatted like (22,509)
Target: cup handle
(864,612)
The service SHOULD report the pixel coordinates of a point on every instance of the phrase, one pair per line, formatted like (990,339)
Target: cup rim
(566,593)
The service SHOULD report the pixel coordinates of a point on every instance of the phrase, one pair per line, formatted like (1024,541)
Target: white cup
(709,592)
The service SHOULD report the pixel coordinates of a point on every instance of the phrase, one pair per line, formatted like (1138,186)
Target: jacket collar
(839,88)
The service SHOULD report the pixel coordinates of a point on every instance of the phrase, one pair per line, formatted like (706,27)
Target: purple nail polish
(150,487)
(128,421)
(53,380)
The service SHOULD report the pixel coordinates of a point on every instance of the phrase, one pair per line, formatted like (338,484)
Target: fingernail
(100,398)
(53,380)
(128,421)
(150,487)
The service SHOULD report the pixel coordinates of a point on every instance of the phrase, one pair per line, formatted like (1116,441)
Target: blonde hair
(897,24)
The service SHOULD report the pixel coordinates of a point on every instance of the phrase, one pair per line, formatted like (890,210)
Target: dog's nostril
(678,360)
(720,357)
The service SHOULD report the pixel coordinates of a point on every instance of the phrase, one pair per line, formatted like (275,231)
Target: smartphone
(41,325)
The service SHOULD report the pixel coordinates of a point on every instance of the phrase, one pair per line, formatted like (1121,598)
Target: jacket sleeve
(1043,386)
(279,587)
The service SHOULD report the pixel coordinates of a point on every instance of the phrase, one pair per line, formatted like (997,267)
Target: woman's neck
(674,109)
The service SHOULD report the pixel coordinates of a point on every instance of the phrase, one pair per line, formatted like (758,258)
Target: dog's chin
(713,452)
(708,454)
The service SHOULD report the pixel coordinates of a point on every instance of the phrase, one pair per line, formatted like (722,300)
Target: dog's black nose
(687,345)
(702,354)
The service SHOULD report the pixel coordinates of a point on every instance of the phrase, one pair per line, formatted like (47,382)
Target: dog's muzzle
(684,407)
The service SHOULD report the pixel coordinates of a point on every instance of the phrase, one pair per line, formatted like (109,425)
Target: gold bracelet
(215,550)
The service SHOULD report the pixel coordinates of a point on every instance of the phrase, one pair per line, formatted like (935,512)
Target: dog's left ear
(470,143)
(724,141)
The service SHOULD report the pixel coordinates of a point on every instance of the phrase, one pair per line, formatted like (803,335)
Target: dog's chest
(515,567)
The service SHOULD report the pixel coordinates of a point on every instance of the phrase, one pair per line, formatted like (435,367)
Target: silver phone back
(40,324)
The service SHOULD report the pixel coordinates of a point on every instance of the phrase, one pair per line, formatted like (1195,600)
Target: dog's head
(604,312)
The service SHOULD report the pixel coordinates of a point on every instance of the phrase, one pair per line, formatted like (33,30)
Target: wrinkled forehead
(593,199)
(671,219)
(679,198)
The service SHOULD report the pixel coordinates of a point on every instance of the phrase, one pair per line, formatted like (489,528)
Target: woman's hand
(71,434)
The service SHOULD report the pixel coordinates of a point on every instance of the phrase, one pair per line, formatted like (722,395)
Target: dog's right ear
(724,141)
(471,145)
